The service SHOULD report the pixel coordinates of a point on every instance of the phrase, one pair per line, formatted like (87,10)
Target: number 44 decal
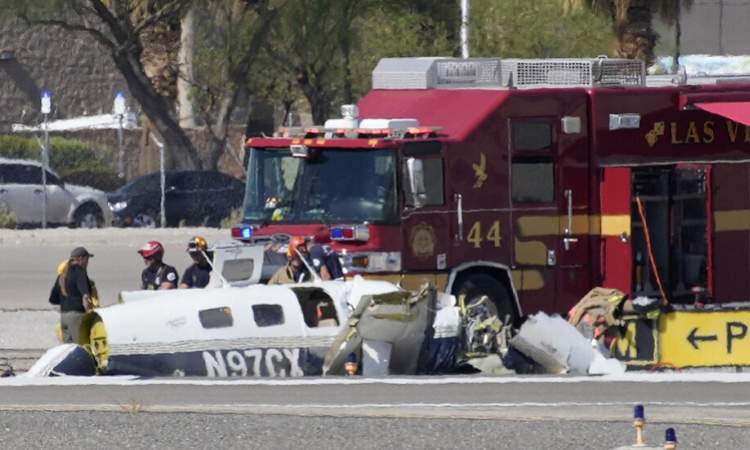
(476,237)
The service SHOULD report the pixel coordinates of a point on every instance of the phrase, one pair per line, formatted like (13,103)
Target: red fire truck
(529,181)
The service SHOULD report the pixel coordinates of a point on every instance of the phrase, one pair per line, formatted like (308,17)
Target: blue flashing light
(670,435)
(638,412)
(243,232)
(337,233)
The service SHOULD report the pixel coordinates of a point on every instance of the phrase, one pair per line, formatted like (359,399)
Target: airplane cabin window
(317,307)
(268,315)
(216,317)
(238,269)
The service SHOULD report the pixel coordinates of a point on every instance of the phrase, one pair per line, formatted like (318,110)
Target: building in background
(713,27)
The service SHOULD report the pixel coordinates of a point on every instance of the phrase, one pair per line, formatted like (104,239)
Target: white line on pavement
(633,377)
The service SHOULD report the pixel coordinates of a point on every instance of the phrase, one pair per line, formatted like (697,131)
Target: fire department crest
(422,241)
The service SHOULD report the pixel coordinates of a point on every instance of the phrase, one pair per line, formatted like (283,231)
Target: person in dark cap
(72,291)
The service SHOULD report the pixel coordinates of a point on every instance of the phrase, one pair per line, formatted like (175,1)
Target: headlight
(119,206)
(372,262)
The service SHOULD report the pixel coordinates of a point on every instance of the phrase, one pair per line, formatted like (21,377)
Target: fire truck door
(426,223)
(616,248)
(573,248)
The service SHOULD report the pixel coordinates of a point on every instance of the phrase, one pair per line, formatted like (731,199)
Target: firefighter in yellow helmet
(295,270)
(197,274)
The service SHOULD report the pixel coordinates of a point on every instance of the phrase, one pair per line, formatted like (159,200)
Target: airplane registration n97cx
(281,330)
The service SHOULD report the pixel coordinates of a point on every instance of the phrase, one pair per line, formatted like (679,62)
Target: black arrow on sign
(694,338)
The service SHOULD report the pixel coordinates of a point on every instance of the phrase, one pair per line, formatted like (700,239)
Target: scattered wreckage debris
(6,369)
(366,327)
(387,331)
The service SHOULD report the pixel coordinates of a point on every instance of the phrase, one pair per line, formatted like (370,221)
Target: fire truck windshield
(332,185)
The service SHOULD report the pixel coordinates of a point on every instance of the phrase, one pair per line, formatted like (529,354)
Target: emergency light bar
(345,233)
(243,232)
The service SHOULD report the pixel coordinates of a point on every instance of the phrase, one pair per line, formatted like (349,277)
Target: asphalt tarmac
(455,412)
(30,258)
(514,413)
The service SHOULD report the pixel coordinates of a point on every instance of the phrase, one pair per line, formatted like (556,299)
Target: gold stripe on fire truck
(605,225)
(414,281)
(732,220)
(532,253)
(615,224)
(523,280)
(527,279)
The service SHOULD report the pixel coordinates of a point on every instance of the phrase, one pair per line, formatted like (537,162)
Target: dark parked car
(191,198)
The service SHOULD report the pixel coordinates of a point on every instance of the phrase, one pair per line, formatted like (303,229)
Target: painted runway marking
(702,377)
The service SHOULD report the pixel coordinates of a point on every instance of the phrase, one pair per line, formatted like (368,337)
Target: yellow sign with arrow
(704,338)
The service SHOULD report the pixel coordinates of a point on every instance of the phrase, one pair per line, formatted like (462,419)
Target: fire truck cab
(528,181)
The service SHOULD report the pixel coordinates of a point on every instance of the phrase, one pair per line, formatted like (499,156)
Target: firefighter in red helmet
(295,270)
(157,274)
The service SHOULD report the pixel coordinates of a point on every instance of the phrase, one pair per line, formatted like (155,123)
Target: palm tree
(632,22)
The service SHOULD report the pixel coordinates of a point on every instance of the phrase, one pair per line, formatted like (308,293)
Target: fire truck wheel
(477,285)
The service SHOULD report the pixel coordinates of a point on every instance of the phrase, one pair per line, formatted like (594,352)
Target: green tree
(396,31)
(522,29)
(312,44)
(230,36)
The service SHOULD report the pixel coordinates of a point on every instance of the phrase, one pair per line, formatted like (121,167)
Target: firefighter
(295,270)
(157,274)
(72,291)
(325,261)
(197,274)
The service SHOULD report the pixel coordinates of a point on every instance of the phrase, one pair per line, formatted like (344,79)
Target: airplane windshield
(352,185)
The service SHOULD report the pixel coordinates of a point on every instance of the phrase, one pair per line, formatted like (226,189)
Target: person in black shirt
(197,274)
(157,274)
(325,261)
(72,292)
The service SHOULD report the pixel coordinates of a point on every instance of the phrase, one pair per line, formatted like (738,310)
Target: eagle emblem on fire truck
(480,171)
(422,241)
(653,135)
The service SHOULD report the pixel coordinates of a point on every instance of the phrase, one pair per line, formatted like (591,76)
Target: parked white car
(21,192)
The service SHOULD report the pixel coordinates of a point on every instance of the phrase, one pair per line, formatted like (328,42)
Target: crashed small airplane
(253,330)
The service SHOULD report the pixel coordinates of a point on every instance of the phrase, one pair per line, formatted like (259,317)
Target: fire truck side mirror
(415,174)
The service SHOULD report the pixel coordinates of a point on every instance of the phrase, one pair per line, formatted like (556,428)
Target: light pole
(46,108)
(119,111)
(162,180)
(465,8)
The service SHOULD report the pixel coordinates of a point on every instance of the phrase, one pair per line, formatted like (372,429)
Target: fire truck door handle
(569,240)
(459,216)
(569,196)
